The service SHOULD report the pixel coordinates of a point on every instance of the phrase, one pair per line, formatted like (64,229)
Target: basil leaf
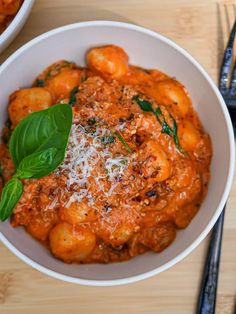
(143,104)
(41,130)
(73,93)
(11,194)
(37,164)
(37,147)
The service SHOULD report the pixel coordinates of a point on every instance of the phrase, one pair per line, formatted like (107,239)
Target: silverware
(227,87)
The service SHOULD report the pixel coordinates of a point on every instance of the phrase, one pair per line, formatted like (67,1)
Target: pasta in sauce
(131,176)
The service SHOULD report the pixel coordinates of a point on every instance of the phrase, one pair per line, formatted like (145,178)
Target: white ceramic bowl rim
(197,241)
(14,23)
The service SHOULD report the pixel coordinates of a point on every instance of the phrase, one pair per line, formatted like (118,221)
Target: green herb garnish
(73,93)
(123,141)
(160,117)
(175,137)
(37,147)
(166,128)
(172,131)
(143,104)
(108,139)
(40,83)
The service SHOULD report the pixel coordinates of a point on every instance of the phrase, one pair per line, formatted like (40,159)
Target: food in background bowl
(14,14)
(8,10)
(136,167)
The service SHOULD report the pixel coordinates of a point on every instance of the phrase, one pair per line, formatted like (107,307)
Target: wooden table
(201,27)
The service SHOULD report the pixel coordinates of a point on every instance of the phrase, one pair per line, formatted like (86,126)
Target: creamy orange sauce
(105,203)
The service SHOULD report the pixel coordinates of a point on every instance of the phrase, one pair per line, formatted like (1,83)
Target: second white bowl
(16,24)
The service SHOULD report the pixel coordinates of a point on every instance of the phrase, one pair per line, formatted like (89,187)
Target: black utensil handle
(231,102)
(207,297)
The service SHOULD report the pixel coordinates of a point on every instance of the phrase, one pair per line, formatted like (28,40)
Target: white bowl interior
(149,50)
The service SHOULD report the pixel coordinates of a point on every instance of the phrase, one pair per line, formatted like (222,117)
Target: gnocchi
(71,243)
(25,101)
(109,61)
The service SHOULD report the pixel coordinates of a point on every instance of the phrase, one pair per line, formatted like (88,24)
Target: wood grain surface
(201,27)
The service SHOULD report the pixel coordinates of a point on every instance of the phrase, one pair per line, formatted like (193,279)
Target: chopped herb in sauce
(123,141)
(161,119)
(166,128)
(40,83)
(172,131)
(73,93)
(143,104)
(108,139)
(48,75)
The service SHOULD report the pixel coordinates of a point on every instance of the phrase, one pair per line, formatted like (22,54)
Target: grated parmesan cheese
(89,161)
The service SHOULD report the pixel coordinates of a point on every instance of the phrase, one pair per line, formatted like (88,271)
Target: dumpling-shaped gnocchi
(171,92)
(71,244)
(110,61)
(25,101)
(61,85)
(189,136)
(77,213)
(154,161)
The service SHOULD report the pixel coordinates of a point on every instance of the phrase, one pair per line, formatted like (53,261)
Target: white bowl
(16,24)
(147,49)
